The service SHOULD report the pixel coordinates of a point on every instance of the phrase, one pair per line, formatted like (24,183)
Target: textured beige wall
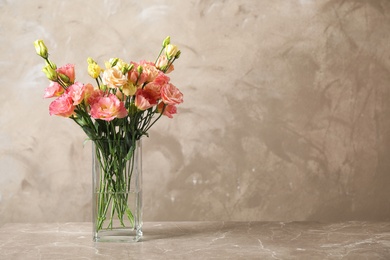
(286,113)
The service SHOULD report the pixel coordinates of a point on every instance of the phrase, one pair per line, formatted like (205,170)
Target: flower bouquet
(125,102)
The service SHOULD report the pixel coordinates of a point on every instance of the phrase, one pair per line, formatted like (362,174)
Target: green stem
(159,54)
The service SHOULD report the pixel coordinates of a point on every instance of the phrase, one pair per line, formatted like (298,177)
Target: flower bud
(177,54)
(93,68)
(140,69)
(103,87)
(51,64)
(50,73)
(171,50)
(166,41)
(91,61)
(41,49)
(113,61)
(64,78)
(126,68)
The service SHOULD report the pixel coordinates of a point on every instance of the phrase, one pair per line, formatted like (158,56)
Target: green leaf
(130,216)
(130,153)
(86,140)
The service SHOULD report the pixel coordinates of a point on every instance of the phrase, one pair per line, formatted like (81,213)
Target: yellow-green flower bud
(103,87)
(140,69)
(126,68)
(41,49)
(177,54)
(93,68)
(51,64)
(50,73)
(166,41)
(91,61)
(113,61)
(171,50)
(64,78)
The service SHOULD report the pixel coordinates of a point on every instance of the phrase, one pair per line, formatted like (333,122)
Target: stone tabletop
(202,240)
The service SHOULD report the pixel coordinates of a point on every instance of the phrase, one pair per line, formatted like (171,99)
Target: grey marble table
(202,240)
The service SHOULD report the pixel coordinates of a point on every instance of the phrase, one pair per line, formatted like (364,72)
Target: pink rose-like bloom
(161,79)
(144,99)
(153,89)
(171,95)
(169,110)
(62,106)
(76,91)
(68,70)
(53,90)
(150,70)
(107,108)
(114,78)
(91,94)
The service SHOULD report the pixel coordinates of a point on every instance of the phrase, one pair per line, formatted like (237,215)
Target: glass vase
(117,190)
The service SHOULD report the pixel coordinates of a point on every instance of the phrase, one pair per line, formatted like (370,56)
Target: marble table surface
(202,240)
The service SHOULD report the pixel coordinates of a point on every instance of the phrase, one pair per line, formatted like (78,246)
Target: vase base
(126,236)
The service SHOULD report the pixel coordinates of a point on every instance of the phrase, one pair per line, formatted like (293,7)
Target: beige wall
(286,113)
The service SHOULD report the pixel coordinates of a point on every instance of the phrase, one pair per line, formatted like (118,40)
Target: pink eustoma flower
(76,91)
(68,70)
(144,99)
(149,69)
(107,108)
(153,89)
(169,110)
(62,106)
(53,90)
(171,95)
(161,79)
(91,94)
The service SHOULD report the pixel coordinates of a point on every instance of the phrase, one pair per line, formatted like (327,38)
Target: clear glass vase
(117,190)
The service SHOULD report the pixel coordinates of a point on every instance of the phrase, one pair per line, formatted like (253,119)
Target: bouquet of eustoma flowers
(124,103)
